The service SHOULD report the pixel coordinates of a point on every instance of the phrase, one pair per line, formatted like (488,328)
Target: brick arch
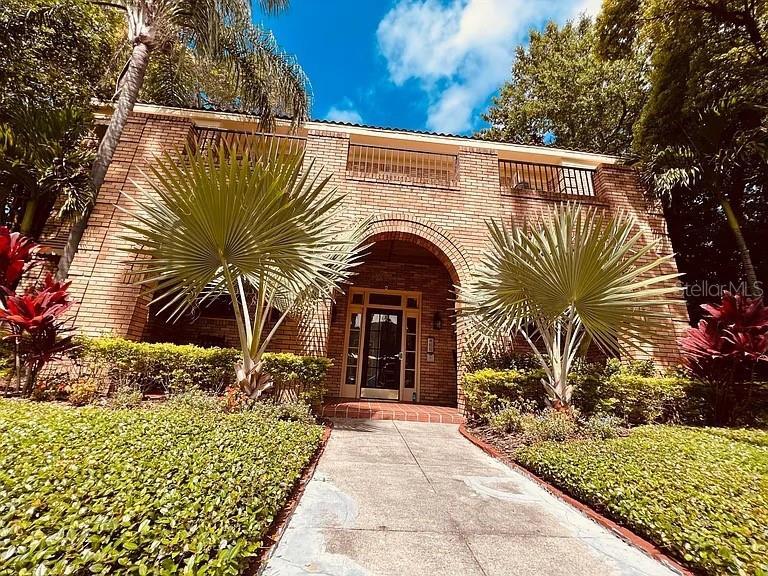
(426,235)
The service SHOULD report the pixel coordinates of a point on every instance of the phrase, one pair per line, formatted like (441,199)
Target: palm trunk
(746,258)
(29,217)
(129,93)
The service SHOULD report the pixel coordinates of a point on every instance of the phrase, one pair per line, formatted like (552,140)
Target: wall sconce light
(437,321)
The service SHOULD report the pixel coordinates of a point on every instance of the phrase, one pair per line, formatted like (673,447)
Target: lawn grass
(143,491)
(701,494)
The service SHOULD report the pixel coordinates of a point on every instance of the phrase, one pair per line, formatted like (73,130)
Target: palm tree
(219,31)
(44,160)
(579,274)
(243,221)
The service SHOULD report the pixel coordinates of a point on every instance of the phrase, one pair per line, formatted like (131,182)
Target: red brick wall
(449,222)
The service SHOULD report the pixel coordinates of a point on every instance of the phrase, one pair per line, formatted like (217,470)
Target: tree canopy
(561,93)
(679,87)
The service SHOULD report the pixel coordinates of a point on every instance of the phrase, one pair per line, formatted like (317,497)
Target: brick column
(620,188)
(102,273)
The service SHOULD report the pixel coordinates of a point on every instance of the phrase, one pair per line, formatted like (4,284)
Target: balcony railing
(211,138)
(545,179)
(402,166)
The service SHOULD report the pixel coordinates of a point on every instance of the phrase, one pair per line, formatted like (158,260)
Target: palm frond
(577,272)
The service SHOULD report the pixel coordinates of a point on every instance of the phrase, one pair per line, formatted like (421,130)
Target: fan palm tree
(217,31)
(243,221)
(579,274)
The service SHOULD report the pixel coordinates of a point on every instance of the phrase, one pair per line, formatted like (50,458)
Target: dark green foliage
(173,368)
(701,494)
(561,93)
(703,126)
(149,491)
(45,160)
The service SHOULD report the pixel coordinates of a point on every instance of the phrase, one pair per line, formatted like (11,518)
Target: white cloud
(462,51)
(344,113)
(588,7)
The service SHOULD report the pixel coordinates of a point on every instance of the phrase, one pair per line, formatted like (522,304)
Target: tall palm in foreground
(220,31)
(242,221)
(578,274)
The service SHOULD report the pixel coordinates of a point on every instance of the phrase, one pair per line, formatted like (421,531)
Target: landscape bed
(144,491)
(700,493)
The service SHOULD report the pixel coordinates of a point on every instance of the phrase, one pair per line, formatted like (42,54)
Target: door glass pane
(382,349)
(353,349)
(410,352)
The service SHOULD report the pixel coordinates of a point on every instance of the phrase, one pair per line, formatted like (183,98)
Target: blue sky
(417,64)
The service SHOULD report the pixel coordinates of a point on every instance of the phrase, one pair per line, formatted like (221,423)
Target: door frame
(361,307)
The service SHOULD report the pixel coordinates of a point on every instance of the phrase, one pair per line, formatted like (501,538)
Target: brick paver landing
(372,410)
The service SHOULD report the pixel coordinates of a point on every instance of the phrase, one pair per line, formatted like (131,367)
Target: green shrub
(699,495)
(548,425)
(299,378)
(506,420)
(175,368)
(602,427)
(155,491)
(196,400)
(488,391)
(83,391)
(643,399)
(126,398)
(634,392)
(160,366)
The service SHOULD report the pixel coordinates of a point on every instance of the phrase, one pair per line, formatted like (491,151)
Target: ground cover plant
(700,493)
(164,490)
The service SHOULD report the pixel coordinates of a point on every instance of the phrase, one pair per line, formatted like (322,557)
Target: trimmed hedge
(628,392)
(174,367)
(487,391)
(146,491)
(702,494)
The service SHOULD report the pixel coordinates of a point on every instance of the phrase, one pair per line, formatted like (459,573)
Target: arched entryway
(393,331)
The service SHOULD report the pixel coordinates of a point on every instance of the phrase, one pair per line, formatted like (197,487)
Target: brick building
(393,333)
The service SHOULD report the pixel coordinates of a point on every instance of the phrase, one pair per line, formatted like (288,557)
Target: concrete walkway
(410,499)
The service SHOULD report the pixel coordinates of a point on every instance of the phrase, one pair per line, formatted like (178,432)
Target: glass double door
(382,354)
(381,358)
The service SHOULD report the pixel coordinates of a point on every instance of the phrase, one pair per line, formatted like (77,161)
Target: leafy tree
(702,133)
(561,93)
(53,52)
(53,56)
(245,222)
(212,32)
(571,278)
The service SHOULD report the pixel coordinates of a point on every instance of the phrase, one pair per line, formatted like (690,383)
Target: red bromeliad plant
(35,321)
(724,349)
(16,252)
